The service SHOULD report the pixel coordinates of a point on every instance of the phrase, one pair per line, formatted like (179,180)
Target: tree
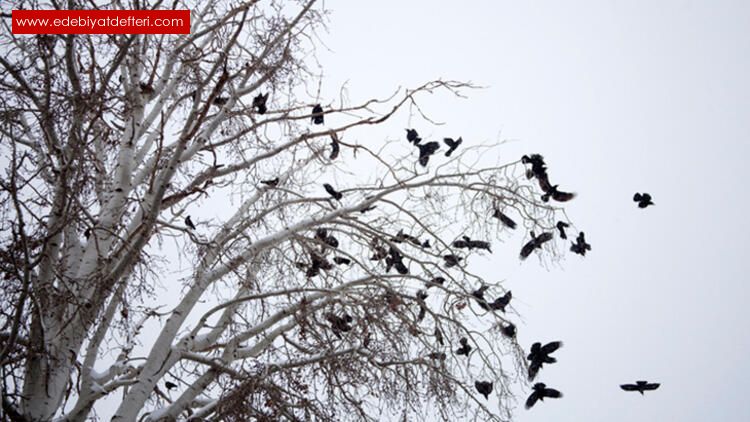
(304,302)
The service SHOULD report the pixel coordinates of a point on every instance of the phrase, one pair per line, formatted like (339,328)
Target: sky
(620,97)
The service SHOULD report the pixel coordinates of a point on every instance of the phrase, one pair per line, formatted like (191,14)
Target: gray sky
(620,97)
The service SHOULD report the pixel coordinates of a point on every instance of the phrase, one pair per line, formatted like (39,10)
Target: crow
(435,281)
(331,191)
(539,355)
(467,243)
(340,260)
(643,200)
(318,263)
(452,145)
(426,244)
(259,103)
(421,296)
(340,324)
(334,146)
(452,260)
(425,151)
(535,243)
(220,101)
(484,388)
(323,236)
(87,233)
(540,392)
(508,330)
(557,195)
(640,386)
(170,385)
(396,260)
(401,237)
(561,226)
(465,347)
(580,246)
(501,302)
(317,115)
(538,167)
(412,136)
(189,223)
(271,182)
(479,296)
(438,336)
(504,219)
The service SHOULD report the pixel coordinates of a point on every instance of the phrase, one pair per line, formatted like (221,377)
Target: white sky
(620,96)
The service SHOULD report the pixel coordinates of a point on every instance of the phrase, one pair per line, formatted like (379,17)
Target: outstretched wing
(551,347)
(552,393)
(652,386)
(528,248)
(629,387)
(531,401)
(504,219)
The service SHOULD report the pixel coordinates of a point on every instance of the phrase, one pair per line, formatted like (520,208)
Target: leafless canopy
(110,142)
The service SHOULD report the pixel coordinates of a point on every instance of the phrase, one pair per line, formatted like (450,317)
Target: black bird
(189,223)
(561,226)
(259,103)
(426,244)
(465,348)
(333,192)
(452,260)
(535,243)
(395,259)
(402,237)
(220,101)
(580,246)
(380,253)
(323,236)
(501,302)
(438,336)
(479,296)
(318,263)
(87,233)
(484,388)
(436,281)
(425,151)
(334,146)
(538,168)
(640,386)
(340,324)
(540,355)
(467,243)
(271,182)
(504,219)
(170,385)
(421,296)
(557,195)
(437,356)
(540,392)
(340,260)
(147,89)
(412,136)
(317,114)
(452,145)
(508,330)
(643,200)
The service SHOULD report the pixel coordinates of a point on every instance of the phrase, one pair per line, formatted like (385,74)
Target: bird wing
(552,393)
(534,368)
(563,196)
(637,197)
(652,386)
(544,237)
(551,347)
(629,387)
(528,248)
(505,219)
(531,401)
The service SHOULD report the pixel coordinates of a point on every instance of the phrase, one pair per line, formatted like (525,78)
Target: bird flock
(389,252)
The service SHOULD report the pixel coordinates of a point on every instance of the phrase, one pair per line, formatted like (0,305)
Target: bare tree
(338,302)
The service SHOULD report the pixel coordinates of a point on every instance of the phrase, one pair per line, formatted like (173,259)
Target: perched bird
(425,151)
(405,237)
(561,226)
(87,233)
(484,388)
(508,330)
(535,243)
(189,223)
(318,263)
(452,145)
(426,244)
(540,392)
(259,103)
(323,236)
(271,182)
(412,136)
(220,101)
(436,281)
(557,195)
(504,219)
(479,296)
(467,243)
(539,355)
(170,385)
(333,192)
(580,246)
(640,386)
(317,114)
(438,336)
(334,146)
(340,324)
(643,200)
(465,348)
(452,260)
(340,260)
(395,259)
(501,302)
(421,296)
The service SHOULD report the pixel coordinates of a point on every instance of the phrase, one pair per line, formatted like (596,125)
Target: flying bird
(643,200)
(484,388)
(170,385)
(402,237)
(479,296)
(259,103)
(540,392)
(580,246)
(504,219)
(323,236)
(452,145)
(334,146)
(501,302)
(333,192)
(561,226)
(425,151)
(412,136)
(340,260)
(535,243)
(557,194)
(640,386)
(189,223)
(539,355)
(271,182)
(467,243)
(465,348)
(317,115)
(435,281)
(452,260)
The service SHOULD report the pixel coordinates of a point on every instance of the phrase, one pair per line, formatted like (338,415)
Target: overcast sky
(619,96)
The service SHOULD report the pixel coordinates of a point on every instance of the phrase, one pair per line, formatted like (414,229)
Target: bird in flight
(640,386)
(189,223)
(334,146)
(271,182)
(412,136)
(340,260)
(484,388)
(452,145)
(504,219)
(540,355)
(535,243)
(452,260)
(540,392)
(465,347)
(561,226)
(643,200)
(333,192)
(317,115)
(557,194)
(425,151)
(467,243)
(259,103)
(580,246)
